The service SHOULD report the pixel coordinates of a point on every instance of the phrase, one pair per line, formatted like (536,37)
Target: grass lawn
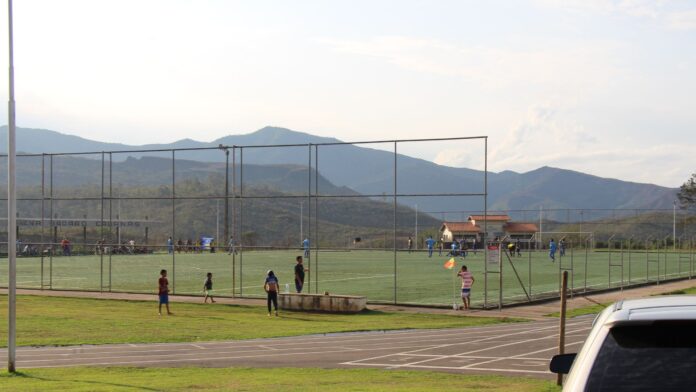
(243,379)
(594,309)
(65,321)
(419,279)
(690,290)
(591,309)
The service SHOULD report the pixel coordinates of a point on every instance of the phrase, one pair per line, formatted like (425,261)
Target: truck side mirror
(562,363)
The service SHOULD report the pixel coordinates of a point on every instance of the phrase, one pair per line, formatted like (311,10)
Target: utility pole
(217,221)
(11,209)
(301,219)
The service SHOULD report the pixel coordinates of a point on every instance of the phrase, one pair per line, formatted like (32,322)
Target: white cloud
(546,136)
(682,20)
(669,14)
(639,8)
(591,64)
(542,132)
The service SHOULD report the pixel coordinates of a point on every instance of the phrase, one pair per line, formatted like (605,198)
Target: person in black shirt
(299,274)
(208,288)
(271,286)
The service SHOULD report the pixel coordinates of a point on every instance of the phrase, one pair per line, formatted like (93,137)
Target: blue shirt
(454,245)
(552,246)
(305,243)
(430,242)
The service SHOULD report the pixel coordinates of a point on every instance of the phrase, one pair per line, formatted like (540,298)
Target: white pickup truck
(636,345)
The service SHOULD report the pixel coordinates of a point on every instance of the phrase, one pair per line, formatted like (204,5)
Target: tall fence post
(485,223)
(225,231)
(309,217)
(587,255)
(101,228)
(235,234)
(43,213)
(111,220)
(53,242)
(529,258)
(630,248)
(562,323)
(394,230)
(316,218)
(241,221)
(173,219)
(500,275)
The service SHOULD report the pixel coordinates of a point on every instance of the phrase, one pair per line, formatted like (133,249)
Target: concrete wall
(322,303)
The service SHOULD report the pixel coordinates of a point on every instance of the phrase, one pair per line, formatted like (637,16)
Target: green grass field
(242,379)
(66,321)
(689,291)
(419,279)
(594,309)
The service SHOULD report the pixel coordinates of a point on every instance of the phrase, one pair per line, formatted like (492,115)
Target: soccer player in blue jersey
(430,242)
(305,245)
(552,250)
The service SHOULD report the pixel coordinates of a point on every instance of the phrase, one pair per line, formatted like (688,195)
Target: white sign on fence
(493,256)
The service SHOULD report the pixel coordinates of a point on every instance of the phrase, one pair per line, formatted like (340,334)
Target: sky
(602,87)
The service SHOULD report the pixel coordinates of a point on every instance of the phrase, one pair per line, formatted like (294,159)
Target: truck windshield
(656,357)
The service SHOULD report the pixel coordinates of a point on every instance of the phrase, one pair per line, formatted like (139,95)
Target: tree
(687,192)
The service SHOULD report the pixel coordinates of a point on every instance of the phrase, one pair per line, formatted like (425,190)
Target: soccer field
(419,279)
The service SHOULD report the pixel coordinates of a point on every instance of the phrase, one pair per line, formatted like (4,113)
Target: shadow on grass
(675,292)
(28,376)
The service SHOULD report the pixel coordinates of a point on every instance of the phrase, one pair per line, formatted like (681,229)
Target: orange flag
(450,263)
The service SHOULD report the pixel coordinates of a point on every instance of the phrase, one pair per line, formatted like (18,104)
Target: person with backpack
(271,286)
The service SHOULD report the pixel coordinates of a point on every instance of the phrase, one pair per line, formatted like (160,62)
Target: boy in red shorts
(163,291)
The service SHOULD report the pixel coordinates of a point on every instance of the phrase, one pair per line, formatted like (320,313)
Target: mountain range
(349,169)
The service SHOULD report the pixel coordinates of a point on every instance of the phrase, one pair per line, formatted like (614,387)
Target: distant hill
(272,219)
(369,171)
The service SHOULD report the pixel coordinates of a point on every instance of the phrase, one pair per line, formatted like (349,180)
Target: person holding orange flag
(467,282)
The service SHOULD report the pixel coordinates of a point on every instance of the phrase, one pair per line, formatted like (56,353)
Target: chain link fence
(110,221)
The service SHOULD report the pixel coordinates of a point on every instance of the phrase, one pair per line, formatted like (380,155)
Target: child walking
(163,291)
(271,287)
(208,288)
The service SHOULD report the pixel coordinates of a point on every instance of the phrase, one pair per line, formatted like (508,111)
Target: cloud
(540,133)
(682,20)
(669,14)
(638,8)
(546,135)
(564,66)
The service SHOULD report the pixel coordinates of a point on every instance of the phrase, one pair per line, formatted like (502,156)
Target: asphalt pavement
(508,349)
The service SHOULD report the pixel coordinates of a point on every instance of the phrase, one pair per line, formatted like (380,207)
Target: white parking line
(468,338)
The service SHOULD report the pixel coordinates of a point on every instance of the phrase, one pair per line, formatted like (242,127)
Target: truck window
(656,357)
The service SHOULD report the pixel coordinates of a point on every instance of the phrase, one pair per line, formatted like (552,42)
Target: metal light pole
(11,210)
(541,225)
(416,239)
(301,218)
